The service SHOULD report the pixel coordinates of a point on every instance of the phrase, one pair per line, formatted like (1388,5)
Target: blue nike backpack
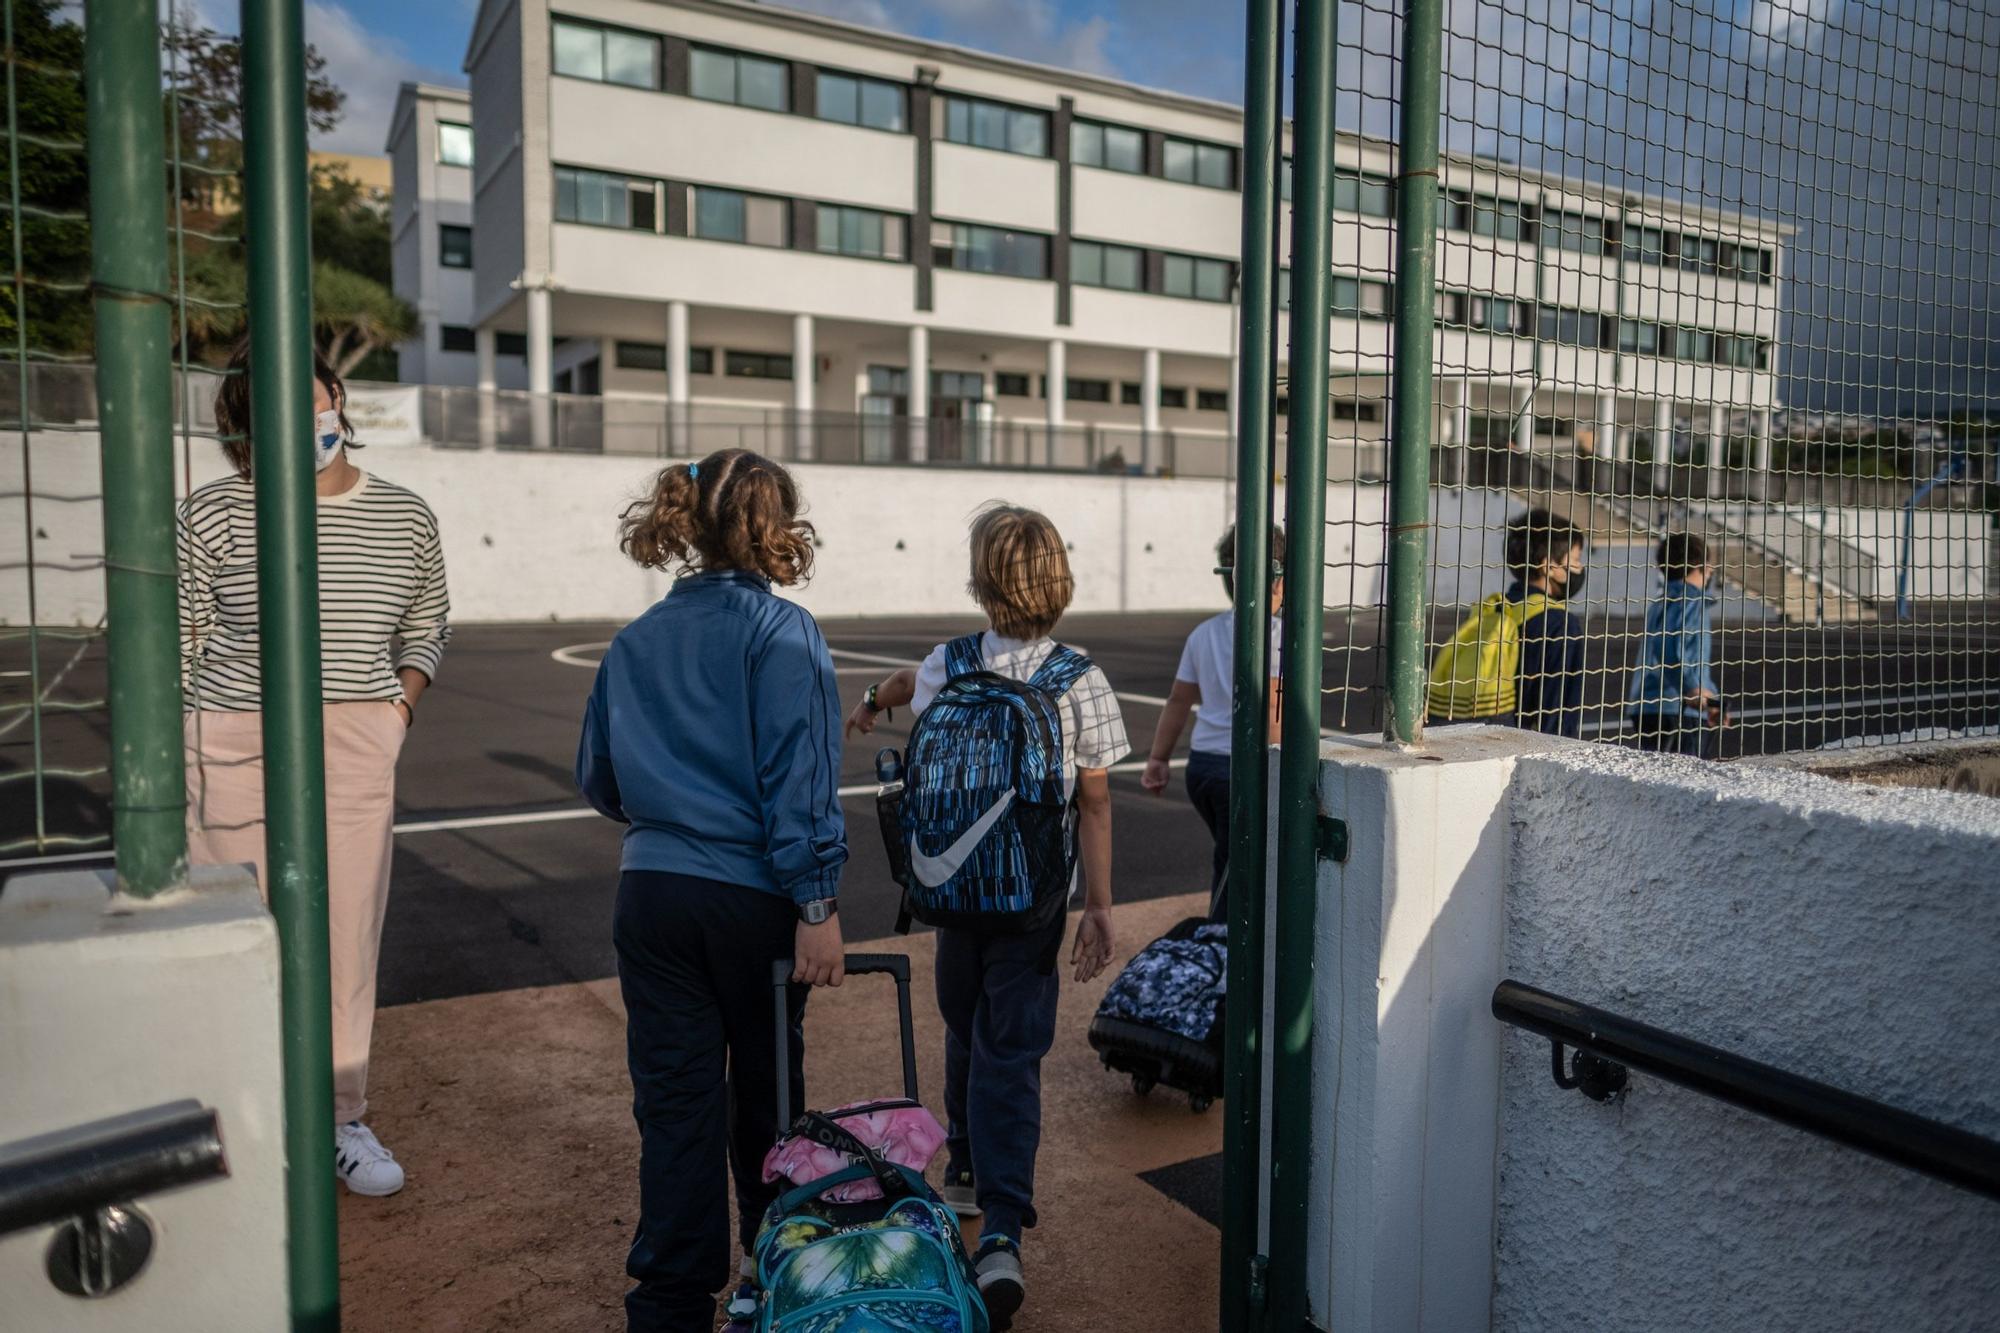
(985,835)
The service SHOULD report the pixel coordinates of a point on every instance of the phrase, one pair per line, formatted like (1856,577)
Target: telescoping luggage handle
(858,964)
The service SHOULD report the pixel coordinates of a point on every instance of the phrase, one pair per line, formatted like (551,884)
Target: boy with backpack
(1006,785)
(1517,660)
(1205,685)
(1673,703)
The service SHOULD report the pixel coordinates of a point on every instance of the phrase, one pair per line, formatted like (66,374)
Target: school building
(678,222)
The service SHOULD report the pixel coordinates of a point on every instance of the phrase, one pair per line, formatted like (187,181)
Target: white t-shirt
(1208,662)
(1093,727)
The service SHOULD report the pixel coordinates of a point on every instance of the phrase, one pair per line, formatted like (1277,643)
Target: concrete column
(1058,385)
(805,370)
(1663,444)
(485,348)
(1461,428)
(1762,426)
(1149,409)
(1718,449)
(920,392)
(1607,428)
(541,353)
(679,437)
(1524,422)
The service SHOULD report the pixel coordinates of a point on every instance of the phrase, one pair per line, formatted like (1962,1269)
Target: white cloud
(1028,29)
(369,68)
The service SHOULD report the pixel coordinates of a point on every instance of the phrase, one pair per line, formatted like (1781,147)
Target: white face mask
(326,440)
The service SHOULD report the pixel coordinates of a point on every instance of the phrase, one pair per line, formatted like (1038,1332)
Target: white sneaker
(362,1163)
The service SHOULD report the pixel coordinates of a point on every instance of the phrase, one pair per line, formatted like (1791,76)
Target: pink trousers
(225,758)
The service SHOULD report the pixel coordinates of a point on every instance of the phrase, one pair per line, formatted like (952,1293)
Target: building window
(1201,279)
(1115,266)
(1502,219)
(1010,129)
(853,100)
(1211,400)
(1576,231)
(958,384)
(639,356)
(604,200)
(1644,245)
(456,338)
(607,55)
(1355,192)
(860,232)
(757,366)
(1571,328)
(1010,384)
(454,246)
(1173,397)
(730,215)
(1285,179)
(1087,391)
(454,144)
(701,360)
(1112,147)
(1199,164)
(1358,298)
(1556,428)
(1128,395)
(1637,338)
(511,344)
(974,249)
(1694,345)
(724,76)
(1494,314)
(1349,409)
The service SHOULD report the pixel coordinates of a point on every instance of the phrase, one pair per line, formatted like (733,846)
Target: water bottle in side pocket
(889,813)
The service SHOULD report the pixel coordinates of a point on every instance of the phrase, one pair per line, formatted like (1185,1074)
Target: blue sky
(1872,125)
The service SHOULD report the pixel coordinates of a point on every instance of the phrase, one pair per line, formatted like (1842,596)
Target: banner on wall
(388,415)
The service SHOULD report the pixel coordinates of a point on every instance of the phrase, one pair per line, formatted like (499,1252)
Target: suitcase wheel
(1141,1084)
(1199,1102)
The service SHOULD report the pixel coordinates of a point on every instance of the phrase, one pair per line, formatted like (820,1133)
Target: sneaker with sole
(998,1269)
(362,1163)
(744,1301)
(960,1195)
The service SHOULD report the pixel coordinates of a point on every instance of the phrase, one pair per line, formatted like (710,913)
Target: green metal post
(274,196)
(1413,408)
(1243,1265)
(128,265)
(1298,764)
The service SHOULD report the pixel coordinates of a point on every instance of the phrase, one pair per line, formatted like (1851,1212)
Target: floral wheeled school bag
(830,1262)
(987,827)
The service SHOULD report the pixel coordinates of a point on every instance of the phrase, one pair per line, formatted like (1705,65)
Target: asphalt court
(503,879)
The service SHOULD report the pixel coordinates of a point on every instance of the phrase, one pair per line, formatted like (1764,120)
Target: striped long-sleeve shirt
(382,602)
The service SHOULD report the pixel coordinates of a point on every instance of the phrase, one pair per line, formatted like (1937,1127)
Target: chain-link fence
(54,781)
(1717,409)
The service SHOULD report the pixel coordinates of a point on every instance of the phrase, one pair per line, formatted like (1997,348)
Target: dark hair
(1537,537)
(1020,570)
(1680,554)
(1225,557)
(732,510)
(232,405)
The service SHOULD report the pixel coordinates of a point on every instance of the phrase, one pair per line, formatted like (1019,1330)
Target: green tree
(357,316)
(48,307)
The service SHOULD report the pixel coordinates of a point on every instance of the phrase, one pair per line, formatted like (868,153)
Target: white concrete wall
(112,1006)
(1843,933)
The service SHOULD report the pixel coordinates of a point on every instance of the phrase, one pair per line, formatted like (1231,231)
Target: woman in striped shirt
(382,631)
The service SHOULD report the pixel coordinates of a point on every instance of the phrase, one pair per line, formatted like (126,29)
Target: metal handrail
(1943,1152)
(79,1171)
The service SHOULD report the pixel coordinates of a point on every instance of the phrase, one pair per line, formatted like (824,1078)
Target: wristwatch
(819,911)
(868,699)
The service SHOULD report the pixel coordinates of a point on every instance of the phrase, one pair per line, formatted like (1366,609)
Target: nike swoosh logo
(931,871)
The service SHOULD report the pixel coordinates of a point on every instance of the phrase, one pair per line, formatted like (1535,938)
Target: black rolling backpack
(1161,1020)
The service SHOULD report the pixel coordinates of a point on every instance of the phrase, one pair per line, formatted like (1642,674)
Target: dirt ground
(512,1114)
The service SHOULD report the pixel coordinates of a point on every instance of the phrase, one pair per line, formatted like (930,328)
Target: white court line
(567,656)
(55,859)
(585,812)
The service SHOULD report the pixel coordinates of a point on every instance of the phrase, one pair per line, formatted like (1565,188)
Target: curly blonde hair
(732,510)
